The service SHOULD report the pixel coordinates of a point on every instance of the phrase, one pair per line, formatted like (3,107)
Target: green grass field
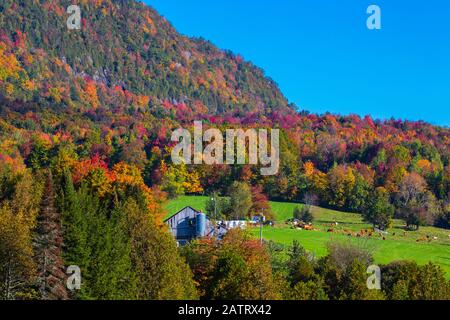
(398,244)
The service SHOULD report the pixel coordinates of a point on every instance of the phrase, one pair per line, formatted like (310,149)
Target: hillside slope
(123,47)
(397,245)
(118,87)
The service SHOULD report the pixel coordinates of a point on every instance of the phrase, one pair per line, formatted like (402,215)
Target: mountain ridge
(126,46)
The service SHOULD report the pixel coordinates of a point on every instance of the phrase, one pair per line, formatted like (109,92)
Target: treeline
(239,267)
(405,180)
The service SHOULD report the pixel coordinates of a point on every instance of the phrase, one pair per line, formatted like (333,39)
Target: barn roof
(195,210)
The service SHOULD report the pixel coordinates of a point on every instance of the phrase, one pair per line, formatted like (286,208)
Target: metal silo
(201,225)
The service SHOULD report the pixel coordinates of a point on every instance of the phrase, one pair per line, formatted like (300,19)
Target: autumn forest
(86,118)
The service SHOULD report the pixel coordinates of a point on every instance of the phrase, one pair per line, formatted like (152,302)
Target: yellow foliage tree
(17,222)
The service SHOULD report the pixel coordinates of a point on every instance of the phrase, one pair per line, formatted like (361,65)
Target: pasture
(426,244)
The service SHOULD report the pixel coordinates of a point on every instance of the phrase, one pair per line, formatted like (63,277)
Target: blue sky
(324,58)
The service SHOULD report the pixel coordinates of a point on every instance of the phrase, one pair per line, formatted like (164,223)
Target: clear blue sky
(324,58)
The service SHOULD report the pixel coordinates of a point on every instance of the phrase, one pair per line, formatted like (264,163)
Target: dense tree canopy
(85,151)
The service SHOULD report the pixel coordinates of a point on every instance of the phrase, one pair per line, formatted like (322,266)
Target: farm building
(188,224)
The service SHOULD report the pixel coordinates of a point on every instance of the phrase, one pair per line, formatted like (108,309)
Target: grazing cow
(330,230)
(421,239)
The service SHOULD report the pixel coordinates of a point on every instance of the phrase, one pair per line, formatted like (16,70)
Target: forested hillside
(86,118)
(124,55)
